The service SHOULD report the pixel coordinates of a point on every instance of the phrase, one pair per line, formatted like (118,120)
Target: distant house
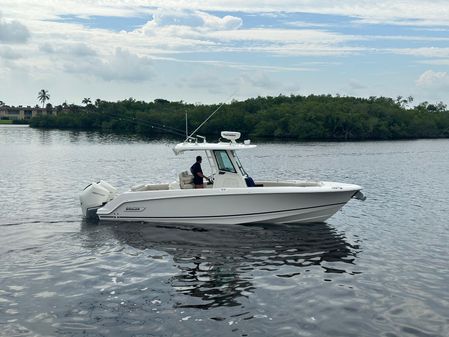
(22,113)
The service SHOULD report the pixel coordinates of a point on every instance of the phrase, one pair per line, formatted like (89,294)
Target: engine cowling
(95,196)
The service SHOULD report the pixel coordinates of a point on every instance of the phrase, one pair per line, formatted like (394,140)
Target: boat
(231,196)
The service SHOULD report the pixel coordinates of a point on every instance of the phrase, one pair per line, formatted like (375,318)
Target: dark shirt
(197,180)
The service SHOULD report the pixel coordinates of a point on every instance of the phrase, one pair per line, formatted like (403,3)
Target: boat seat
(149,187)
(186,180)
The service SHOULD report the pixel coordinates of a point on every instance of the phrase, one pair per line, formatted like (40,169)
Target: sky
(213,51)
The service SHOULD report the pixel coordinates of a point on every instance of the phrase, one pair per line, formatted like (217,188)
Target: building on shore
(21,113)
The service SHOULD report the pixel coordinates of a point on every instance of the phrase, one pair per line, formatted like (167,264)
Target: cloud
(72,49)
(284,35)
(13,32)
(8,53)
(79,50)
(305,24)
(194,30)
(186,28)
(251,44)
(423,52)
(120,66)
(407,12)
(197,19)
(433,79)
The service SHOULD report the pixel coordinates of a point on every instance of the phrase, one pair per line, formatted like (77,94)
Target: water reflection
(74,136)
(217,265)
(45,137)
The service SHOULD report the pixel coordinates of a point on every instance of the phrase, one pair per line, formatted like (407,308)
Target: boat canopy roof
(204,146)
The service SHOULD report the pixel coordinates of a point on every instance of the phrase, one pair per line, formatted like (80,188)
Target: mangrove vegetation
(314,117)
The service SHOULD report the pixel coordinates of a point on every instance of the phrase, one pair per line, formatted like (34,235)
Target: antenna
(210,116)
(187,127)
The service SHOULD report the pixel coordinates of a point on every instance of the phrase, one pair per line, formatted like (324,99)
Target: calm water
(378,268)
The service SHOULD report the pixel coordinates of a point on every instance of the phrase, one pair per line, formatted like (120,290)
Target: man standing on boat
(198,173)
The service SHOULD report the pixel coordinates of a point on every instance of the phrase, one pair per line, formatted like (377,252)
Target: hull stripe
(215,216)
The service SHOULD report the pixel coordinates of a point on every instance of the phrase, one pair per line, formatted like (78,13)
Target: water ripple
(378,268)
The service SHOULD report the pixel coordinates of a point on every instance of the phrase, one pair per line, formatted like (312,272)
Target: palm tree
(86,101)
(43,96)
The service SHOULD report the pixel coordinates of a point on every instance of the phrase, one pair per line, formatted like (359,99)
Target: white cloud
(305,24)
(197,31)
(8,53)
(309,49)
(197,19)
(433,79)
(189,39)
(185,29)
(436,52)
(12,31)
(71,49)
(120,66)
(283,35)
(405,12)
(232,39)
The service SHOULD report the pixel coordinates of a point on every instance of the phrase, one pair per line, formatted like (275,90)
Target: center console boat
(231,196)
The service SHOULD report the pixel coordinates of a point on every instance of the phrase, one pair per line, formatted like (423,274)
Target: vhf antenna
(187,127)
(205,121)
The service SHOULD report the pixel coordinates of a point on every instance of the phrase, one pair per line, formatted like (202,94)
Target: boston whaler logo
(134,209)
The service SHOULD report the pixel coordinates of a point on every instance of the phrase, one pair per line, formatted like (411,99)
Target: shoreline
(266,139)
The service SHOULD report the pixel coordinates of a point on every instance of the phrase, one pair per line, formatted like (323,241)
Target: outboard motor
(95,196)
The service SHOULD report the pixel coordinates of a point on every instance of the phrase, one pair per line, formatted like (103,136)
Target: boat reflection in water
(220,265)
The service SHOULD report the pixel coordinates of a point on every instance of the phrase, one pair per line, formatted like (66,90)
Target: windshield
(223,161)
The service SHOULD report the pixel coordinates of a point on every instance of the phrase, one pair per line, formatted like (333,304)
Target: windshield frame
(239,164)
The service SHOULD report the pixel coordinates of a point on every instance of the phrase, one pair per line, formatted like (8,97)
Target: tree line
(313,117)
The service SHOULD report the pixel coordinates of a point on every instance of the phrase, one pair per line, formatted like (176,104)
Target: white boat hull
(280,204)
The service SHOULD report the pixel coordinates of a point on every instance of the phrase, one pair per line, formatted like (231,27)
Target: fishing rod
(162,128)
(153,125)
